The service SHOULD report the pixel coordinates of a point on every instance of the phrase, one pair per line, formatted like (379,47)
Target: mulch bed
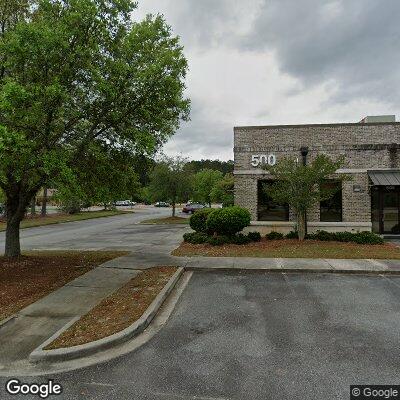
(118,311)
(291,248)
(32,276)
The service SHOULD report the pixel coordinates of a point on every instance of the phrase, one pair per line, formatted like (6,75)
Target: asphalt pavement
(92,234)
(257,335)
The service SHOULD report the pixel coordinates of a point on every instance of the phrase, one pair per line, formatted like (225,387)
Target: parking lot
(237,335)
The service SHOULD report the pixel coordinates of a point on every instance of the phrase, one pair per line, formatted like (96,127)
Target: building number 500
(259,159)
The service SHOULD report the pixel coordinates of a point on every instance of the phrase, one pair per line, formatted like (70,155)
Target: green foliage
(195,237)
(344,236)
(71,205)
(203,184)
(254,236)
(358,237)
(219,240)
(198,220)
(240,239)
(81,80)
(225,167)
(302,186)
(292,235)
(367,238)
(322,235)
(223,191)
(169,181)
(274,236)
(229,220)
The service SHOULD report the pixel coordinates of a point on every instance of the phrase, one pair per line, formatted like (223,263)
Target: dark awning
(385,178)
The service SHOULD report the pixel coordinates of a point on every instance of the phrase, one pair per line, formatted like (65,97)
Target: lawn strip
(166,221)
(35,274)
(30,222)
(118,311)
(291,248)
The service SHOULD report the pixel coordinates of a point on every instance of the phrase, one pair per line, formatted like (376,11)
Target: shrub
(195,237)
(359,237)
(274,236)
(198,221)
(322,235)
(367,238)
(344,236)
(254,236)
(240,239)
(219,240)
(292,235)
(228,221)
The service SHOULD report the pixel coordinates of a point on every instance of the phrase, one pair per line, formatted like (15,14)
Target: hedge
(228,221)
(198,220)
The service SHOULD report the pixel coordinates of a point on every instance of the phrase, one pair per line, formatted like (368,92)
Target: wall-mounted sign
(263,159)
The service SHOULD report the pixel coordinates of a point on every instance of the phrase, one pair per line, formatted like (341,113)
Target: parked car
(190,208)
(161,204)
(125,203)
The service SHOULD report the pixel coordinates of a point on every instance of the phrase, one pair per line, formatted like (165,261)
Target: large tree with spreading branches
(79,77)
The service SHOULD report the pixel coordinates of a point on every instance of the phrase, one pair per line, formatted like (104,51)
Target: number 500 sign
(260,159)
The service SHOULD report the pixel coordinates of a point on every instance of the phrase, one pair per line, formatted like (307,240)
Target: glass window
(331,210)
(268,210)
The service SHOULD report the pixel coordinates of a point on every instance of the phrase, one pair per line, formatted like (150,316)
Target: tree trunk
(173,209)
(33,206)
(44,202)
(13,247)
(301,224)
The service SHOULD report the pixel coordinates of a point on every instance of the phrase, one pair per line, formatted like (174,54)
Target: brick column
(356,199)
(246,193)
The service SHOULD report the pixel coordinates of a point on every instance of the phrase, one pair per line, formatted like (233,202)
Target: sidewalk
(40,320)
(143,260)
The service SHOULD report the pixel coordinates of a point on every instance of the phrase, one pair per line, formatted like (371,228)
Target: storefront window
(331,210)
(268,210)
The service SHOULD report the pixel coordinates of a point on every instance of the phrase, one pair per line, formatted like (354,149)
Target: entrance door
(390,212)
(386,209)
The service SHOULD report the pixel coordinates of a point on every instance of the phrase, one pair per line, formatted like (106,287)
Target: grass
(118,311)
(166,221)
(50,219)
(35,274)
(291,248)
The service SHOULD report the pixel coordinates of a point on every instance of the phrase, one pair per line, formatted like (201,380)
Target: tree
(170,182)
(302,186)
(77,74)
(195,166)
(223,191)
(204,182)
(11,12)
(106,175)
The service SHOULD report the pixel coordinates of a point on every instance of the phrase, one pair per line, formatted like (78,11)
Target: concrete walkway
(37,322)
(143,260)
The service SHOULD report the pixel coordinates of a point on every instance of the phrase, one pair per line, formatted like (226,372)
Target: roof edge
(259,127)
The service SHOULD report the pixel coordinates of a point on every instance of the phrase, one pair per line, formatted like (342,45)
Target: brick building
(369,201)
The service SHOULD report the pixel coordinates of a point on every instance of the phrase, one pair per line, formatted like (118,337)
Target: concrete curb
(7,320)
(63,354)
(295,270)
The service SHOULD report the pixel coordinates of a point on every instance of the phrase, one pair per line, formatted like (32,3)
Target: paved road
(259,336)
(97,233)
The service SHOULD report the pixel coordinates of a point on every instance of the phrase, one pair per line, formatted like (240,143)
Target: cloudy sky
(262,62)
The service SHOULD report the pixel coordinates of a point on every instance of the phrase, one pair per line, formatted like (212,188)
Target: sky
(273,62)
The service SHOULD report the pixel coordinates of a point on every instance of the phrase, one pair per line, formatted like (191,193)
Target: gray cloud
(354,43)
(202,137)
(281,61)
